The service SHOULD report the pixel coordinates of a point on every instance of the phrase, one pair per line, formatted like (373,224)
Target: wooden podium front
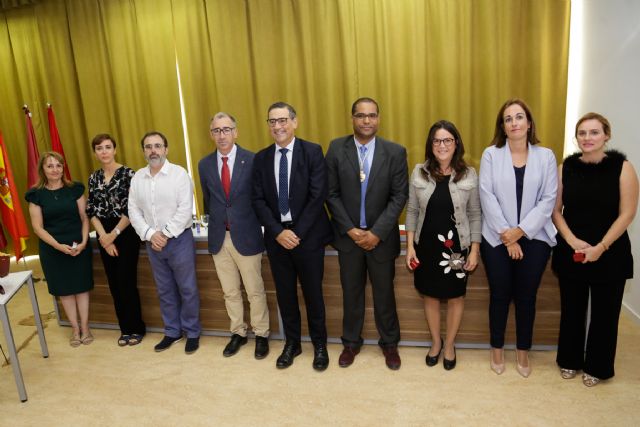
(474,329)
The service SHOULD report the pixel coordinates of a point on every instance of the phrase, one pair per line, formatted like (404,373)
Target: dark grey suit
(387,193)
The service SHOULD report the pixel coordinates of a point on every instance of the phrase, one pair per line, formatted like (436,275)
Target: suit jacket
(498,194)
(387,193)
(307,194)
(238,212)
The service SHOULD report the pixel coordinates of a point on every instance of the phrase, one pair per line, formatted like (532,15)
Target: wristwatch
(117,231)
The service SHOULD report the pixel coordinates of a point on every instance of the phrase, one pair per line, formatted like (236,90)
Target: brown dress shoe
(391,357)
(347,356)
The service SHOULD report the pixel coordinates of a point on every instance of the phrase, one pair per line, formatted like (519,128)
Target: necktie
(283,193)
(225,176)
(363,185)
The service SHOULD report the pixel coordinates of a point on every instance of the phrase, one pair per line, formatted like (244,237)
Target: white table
(12,284)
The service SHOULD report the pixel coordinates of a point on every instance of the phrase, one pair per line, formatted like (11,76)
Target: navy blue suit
(308,189)
(237,212)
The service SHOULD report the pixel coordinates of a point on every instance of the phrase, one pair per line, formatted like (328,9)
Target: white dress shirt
(231,159)
(163,202)
(276,170)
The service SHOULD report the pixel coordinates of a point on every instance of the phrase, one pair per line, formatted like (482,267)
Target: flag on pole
(56,144)
(10,207)
(3,239)
(32,150)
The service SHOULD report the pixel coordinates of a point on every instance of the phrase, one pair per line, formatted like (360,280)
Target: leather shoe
(234,345)
(433,360)
(166,342)
(449,364)
(347,356)
(391,357)
(290,351)
(192,345)
(262,348)
(320,357)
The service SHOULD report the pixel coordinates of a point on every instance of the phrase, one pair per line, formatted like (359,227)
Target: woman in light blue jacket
(518,184)
(443,233)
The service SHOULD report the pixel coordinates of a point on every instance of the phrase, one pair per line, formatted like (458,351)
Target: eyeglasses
(445,141)
(593,133)
(224,131)
(150,147)
(362,116)
(280,121)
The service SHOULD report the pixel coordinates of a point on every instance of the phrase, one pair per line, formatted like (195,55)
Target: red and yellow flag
(12,216)
(32,150)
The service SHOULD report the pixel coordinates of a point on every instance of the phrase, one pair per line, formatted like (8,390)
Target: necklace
(54,191)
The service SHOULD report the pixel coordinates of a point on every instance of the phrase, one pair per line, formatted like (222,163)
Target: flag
(3,239)
(32,151)
(56,144)
(10,207)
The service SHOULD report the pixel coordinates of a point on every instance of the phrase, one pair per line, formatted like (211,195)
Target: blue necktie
(363,185)
(283,193)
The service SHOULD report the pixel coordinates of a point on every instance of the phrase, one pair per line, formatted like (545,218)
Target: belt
(288,225)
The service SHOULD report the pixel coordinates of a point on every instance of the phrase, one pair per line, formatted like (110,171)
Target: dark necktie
(225,177)
(283,193)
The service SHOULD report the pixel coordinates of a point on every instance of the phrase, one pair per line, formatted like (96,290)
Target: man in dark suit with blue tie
(368,189)
(289,191)
(235,236)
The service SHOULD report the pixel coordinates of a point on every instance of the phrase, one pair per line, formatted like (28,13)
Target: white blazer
(498,194)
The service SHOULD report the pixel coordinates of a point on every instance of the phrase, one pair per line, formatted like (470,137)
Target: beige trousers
(234,270)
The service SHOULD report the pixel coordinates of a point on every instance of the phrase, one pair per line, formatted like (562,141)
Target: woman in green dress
(57,209)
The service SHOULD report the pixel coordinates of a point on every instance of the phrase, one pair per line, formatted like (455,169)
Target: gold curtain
(110,66)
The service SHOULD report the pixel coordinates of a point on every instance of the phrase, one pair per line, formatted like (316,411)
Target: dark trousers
(307,266)
(602,339)
(516,280)
(354,266)
(122,275)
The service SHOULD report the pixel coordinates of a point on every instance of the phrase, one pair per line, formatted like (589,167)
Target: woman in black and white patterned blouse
(107,208)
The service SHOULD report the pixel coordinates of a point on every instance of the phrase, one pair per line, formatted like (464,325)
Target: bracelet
(606,248)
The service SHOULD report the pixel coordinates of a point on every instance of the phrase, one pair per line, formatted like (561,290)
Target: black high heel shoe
(449,364)
(433,360)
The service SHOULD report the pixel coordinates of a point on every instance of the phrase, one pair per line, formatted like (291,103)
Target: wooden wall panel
(474,328)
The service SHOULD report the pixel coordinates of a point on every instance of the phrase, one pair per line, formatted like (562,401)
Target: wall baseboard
(635,316)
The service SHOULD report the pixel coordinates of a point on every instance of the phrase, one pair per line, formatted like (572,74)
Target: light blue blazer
(498,194)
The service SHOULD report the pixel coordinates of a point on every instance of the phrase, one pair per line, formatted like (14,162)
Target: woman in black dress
(597,200)
(57,210)
(119,244)
(443,233)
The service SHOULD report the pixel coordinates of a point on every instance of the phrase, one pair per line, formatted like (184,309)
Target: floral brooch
(453,261)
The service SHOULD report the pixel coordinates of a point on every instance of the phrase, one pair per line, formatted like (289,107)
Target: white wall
(610,85)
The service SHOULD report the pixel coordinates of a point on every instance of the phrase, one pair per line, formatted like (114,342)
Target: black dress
(591,199)
(440,274)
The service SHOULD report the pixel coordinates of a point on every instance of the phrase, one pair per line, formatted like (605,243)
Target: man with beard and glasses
(160,204)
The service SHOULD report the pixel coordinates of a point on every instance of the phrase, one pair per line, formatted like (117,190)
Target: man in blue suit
(289,190)
(235,236)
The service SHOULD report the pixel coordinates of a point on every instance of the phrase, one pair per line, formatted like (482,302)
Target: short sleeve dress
(65,274)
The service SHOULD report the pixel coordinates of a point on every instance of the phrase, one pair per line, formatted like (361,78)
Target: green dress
(65,274)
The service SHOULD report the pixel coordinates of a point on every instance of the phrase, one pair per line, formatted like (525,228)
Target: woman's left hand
(472,261)
(107,239)
(592,253)
(511,235)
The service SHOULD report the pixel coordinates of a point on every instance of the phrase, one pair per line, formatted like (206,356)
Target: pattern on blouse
(454,260)
(109,200)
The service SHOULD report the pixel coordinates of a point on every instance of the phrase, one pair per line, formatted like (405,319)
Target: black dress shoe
(320,357)
(234,345)
(262,347)
(166,343)
(433,360)
(449,364)
(290,351)
(192,345)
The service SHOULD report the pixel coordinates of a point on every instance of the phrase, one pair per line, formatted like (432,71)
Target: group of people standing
(275,200)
